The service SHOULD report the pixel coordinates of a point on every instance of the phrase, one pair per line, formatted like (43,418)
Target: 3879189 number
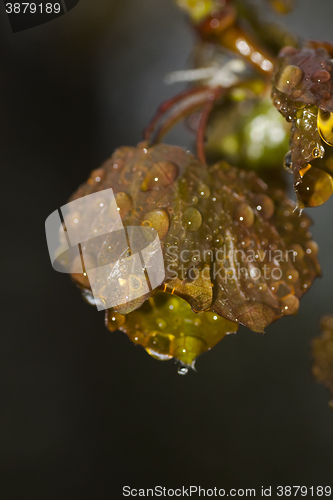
(32,8)
(304,491)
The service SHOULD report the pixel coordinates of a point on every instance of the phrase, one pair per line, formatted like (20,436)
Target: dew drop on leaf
(192,219)
(244,215)
(159,220)
(288,77)
(161,175)
(265,206)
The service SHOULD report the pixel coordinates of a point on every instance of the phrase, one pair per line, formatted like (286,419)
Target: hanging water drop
(188,348)
(287,163)
(290,305)
(182,370)
(115,320)
(315,188)
(325,126)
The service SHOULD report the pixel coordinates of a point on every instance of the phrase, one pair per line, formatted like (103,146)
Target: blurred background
(83,411)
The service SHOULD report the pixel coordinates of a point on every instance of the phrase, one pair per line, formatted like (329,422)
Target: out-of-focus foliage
(197,9)
(248,132)
(322,350)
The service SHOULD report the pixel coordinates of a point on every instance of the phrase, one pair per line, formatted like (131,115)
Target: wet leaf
(231,245)
(322,351)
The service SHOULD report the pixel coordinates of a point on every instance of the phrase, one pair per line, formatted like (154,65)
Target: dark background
(83,411)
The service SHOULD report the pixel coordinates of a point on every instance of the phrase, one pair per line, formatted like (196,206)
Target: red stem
(167,105)
(215,94)
(179,114)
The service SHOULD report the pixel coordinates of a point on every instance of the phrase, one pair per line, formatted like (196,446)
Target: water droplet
(315,188)
(287,163)
(298,252)
(159,220)
(288,77)
(124,203)
(244,215)
(262,287)
(204,191)
(246,242)
(325,126)
(96,176)
(321,76)
(82,278)
(318,152)
(161,323)
(192,219)
(73,219)
(161,175)
(293,275)
(312,248)
(219,240)
(182,370)
(296,94)
(290,305)
(264,205)
(115,321)
(188,348)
